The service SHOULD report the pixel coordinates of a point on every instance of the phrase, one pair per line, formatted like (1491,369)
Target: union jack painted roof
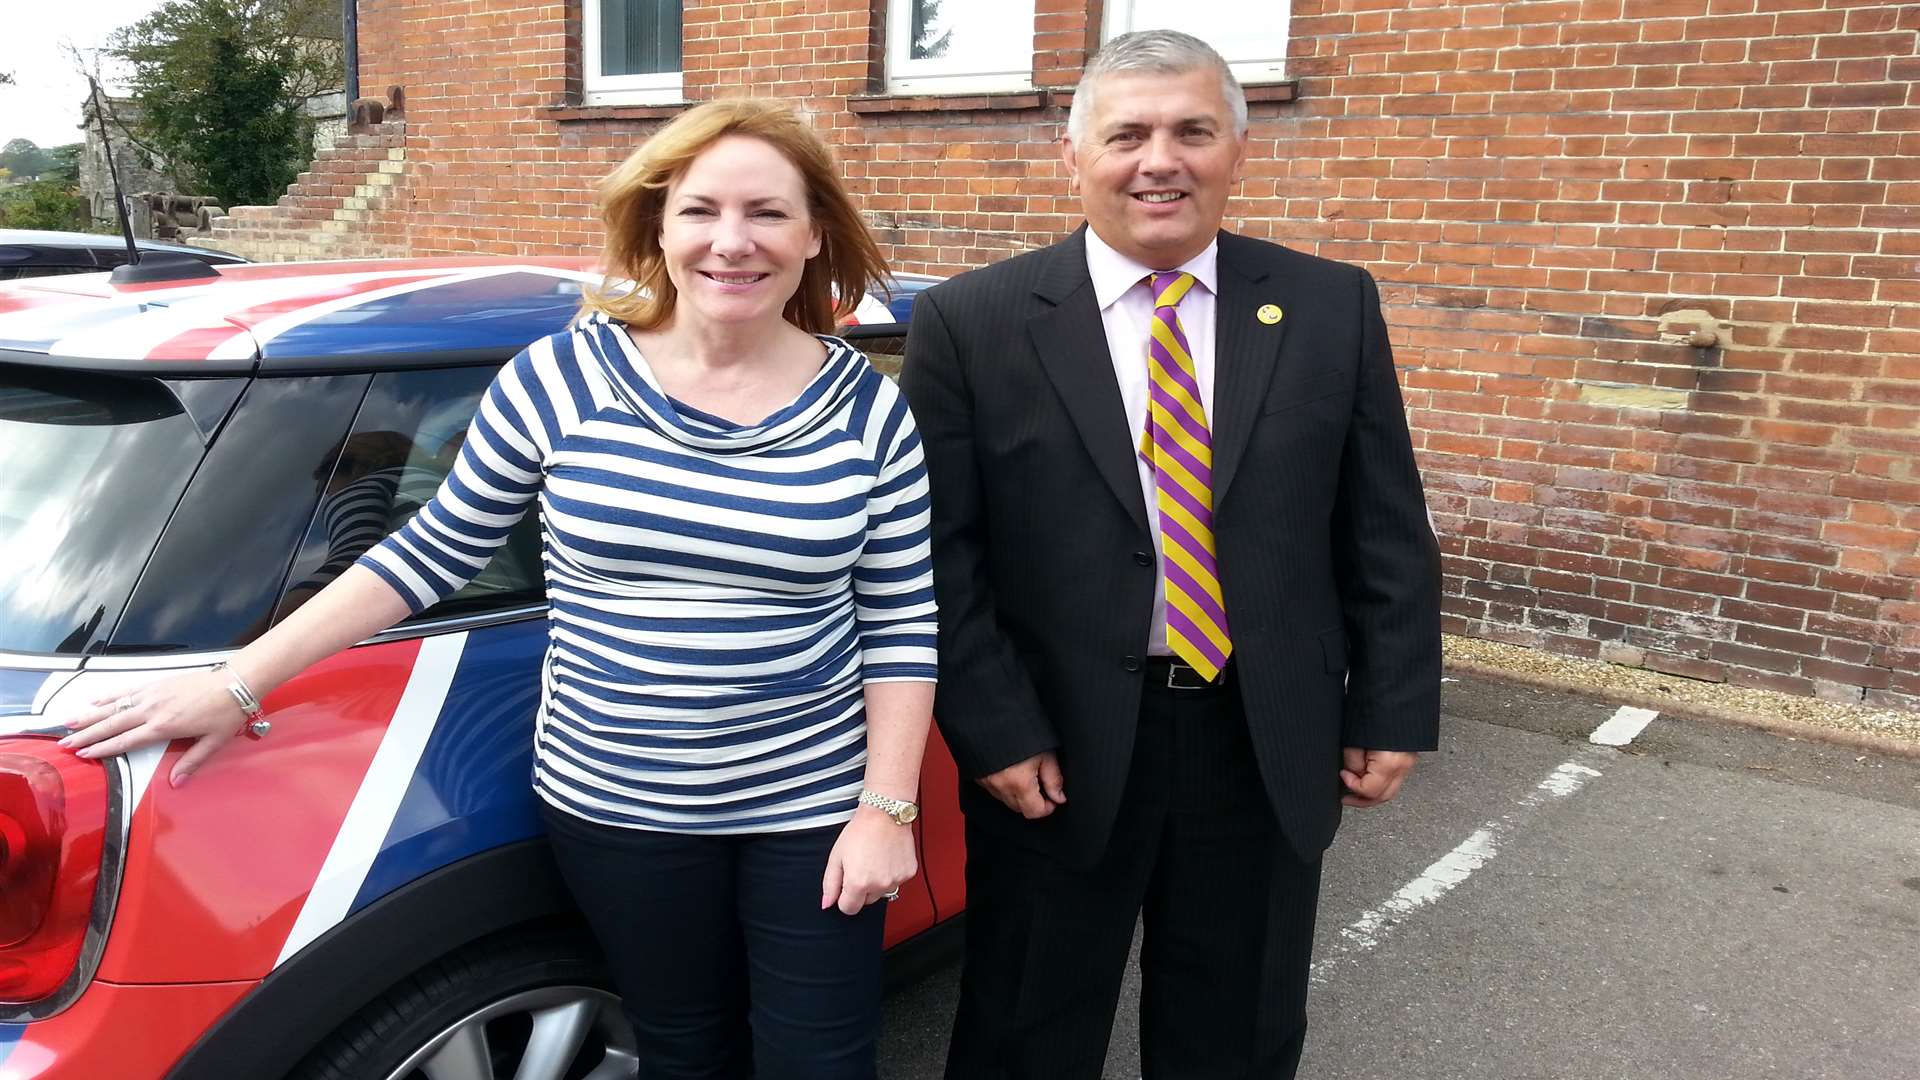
(314,314)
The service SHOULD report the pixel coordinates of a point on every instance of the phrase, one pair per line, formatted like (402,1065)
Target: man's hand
(1030,788)
(1373,776)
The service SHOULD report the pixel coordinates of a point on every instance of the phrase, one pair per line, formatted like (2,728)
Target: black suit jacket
(1042,551)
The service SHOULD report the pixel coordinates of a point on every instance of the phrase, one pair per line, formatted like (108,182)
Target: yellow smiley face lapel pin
(1269,313)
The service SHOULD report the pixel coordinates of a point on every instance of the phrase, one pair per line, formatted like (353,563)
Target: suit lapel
(1246,350)
(1071,342)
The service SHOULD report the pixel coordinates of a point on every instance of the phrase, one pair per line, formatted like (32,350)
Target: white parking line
(1622,727)
(1453,868)
(1446,874)
(1433,883)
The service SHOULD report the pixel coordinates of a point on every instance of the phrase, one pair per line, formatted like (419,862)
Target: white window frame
(1119,19)
(943,75)
(660,88)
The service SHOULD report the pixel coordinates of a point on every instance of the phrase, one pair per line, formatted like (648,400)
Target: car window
(885,351)
(404,441)
(90,468)
(222,562)
(8,273)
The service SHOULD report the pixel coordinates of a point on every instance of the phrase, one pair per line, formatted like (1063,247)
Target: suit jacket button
(1143,558)
(1131,663)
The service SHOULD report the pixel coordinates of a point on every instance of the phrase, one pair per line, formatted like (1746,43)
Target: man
(1188,593)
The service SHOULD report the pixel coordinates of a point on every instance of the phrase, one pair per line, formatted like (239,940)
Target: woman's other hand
(193,706)
(873,857)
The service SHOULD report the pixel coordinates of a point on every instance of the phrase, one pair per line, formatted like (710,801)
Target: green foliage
(25,160)
(220,84)
(66,164)
(45,204)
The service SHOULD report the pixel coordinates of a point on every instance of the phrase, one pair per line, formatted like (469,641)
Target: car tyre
(532,1003)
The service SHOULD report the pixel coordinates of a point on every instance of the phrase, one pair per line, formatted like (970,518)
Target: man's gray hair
(1159,52)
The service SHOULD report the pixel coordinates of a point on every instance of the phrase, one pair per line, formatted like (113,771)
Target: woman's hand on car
(196,706)
(873,857)
(202,706)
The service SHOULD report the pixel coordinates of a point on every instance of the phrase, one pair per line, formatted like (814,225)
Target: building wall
(136,170)
(1652,268)
(328,111)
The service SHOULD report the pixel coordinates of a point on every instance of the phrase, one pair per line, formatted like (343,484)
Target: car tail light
(53,828)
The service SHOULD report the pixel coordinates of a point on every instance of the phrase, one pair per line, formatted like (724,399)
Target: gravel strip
(1881,729)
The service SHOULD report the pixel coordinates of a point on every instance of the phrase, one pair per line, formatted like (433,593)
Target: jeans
(725,963)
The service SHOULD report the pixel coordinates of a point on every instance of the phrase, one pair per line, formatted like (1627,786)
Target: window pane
(639,37)
(90,469)
(974,35)
(402,446)
(215,574)
(1239,29)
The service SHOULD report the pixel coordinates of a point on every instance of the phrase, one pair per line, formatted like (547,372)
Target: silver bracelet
(249,702)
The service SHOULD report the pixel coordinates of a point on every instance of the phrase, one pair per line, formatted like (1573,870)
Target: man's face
(1155,162)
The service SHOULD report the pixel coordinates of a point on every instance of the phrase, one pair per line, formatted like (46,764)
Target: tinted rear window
(91,467)
(213,579)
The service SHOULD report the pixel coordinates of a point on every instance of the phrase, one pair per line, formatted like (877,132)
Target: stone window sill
(573,113)
(982,102)
(1259,93)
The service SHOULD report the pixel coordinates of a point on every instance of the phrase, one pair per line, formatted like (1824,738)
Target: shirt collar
(1113,273)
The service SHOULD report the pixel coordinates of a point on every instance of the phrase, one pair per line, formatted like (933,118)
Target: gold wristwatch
(900,810)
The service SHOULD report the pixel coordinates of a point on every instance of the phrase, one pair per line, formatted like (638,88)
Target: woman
(740,671)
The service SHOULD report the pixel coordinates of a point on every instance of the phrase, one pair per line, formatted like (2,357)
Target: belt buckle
(1191,680)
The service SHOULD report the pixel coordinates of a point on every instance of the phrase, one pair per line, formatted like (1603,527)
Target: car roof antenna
(159,266)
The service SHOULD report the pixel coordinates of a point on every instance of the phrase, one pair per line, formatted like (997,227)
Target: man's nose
(1162,154)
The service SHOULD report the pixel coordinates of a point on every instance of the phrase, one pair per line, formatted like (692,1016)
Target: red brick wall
(1555,196)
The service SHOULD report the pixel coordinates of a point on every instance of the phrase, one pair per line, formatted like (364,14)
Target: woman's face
(736,233)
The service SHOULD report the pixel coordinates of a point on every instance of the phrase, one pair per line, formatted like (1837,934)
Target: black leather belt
(1175,674)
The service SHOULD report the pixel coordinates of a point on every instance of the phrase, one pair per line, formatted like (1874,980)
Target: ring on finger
(892,895)
(123,705)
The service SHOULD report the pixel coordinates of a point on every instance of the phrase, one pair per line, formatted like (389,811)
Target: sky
(43,104)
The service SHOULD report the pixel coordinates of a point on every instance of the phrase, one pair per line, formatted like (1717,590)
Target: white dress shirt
(1126,310)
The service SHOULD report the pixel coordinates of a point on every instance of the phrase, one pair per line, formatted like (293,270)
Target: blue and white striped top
(719,593)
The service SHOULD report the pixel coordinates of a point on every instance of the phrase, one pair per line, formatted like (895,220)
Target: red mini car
(366,892)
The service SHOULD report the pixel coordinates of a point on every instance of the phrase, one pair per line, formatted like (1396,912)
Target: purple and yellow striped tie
(1177,445)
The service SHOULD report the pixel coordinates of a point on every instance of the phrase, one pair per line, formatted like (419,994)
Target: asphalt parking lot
(1701,903)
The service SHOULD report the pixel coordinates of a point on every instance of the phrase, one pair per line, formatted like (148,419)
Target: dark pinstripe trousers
(1228,921)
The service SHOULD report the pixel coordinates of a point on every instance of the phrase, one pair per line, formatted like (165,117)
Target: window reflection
(215,575)
(90,468)
(404,443)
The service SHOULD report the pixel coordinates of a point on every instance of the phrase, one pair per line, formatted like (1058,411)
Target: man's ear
(1069,154)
